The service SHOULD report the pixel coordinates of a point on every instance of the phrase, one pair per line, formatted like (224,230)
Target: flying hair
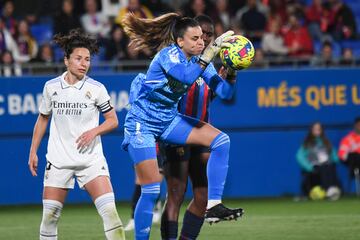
(154,34)
(76,39)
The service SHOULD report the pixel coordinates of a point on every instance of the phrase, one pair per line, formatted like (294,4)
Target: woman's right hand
(33,163)
(213,49)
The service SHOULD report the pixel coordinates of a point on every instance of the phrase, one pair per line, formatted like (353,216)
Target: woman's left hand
(228,74)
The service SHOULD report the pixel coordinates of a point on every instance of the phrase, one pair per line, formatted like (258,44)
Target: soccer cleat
(220,213)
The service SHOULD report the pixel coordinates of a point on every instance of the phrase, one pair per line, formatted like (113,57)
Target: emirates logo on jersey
(68,108)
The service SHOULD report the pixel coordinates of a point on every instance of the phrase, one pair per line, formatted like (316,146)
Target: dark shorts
(173,156)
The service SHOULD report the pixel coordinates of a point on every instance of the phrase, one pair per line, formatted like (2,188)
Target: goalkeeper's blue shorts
(140,139)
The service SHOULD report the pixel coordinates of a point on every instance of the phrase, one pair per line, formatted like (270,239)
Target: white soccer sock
(51,214)
(212,203)
(105,204)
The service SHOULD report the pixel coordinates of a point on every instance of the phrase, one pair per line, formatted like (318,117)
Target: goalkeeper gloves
(213,49)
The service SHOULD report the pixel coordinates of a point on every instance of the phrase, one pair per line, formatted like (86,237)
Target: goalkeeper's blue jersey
(154,97)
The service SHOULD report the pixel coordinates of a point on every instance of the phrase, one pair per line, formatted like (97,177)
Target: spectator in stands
(277,12)
(218,28)
(326,59)
(110,8)
(116,46)
(253,22)
(349,150)
(28,47)
(8,43)
(94,22)
(259,60)
(327,19)
(235,5)
(196,7)
(272,42)
(345,24)
(317,159)
(222,13)
(347,57)
(47,60)
(8,67)
(294,7)
(157,7)
(46,54)
(66,20)
(297,38)
(138,54)
(135,7)
(245,7)
(8,16)
(316,20)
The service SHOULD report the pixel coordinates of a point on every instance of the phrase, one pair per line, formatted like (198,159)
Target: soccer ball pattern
(240,55)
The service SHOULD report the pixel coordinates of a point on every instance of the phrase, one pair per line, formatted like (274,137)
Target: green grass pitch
(264,219)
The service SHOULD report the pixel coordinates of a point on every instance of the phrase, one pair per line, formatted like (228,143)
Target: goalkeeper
(154,115)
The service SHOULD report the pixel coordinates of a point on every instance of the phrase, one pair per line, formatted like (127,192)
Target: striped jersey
(195,103)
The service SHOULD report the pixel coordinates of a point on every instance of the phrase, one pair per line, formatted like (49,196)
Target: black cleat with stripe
(220,213)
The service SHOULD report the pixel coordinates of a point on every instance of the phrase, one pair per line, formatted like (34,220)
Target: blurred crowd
(316,32)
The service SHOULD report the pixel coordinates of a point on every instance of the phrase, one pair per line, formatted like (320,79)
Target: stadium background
(267,120)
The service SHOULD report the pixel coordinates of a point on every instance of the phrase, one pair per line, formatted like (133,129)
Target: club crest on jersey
(88,95)
(174,57)
(200,81)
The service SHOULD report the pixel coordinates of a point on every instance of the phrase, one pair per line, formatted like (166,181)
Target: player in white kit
(74,101)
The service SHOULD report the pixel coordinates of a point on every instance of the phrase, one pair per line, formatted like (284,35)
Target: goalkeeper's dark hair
(154,34)
(76,39)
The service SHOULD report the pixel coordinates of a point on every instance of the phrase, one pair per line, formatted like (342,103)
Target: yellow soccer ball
(240,55)
(317,193)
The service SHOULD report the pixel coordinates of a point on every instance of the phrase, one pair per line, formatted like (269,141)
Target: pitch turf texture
(267,219)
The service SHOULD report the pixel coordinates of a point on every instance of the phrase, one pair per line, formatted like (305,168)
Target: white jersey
(74,109)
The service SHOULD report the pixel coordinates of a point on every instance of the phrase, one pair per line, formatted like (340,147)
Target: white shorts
(65,177)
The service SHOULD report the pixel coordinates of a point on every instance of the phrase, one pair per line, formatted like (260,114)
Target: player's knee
(105,204)
(222,140)
(51,214)
(51,211)
(176,194)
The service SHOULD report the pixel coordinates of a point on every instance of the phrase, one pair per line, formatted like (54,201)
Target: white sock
(212,203)
(105,204)
(51,214)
